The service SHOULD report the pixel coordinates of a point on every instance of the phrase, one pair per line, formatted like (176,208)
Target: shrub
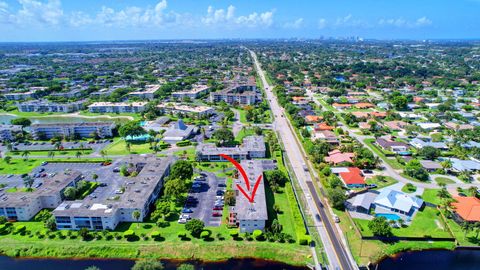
(129,234)
(258,234)
(19,229)
(233,233)
(155,235)
(305,240)
(205,235)
(182,234)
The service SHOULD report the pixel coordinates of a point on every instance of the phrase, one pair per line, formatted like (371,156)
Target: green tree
(22,121)
(429,152)
(195,227)
(337,198)
(414,169)
(147,264)
(25,154)
(224,136)
(95,177)
(84,233)
(136,215)
(400,102)
(51,154)
(70,193)
(380,227)
(276,177)
(131,128)
(78,154)
(174,188)
(7,159)
(28,182)
(182,169)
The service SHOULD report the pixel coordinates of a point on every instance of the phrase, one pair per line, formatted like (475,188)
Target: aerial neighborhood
(328,150)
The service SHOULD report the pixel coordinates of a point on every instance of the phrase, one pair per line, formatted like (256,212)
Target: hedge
(20,228)
(233,233)
(155,235)
(205,234)
(184,143)
(305,240)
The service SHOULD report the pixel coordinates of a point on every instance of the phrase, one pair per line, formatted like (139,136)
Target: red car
(217,208)
(216,214)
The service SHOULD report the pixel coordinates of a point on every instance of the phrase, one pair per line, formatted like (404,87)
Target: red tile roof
(353,176)
(468,208)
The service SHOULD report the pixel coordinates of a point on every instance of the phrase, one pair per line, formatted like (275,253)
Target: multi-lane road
(338,254)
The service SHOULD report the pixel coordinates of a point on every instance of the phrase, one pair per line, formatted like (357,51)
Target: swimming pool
(389,216)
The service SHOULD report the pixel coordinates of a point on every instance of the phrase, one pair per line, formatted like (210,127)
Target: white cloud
(222,17)
(350,21)
(322,23)
(297,24)
(401,22)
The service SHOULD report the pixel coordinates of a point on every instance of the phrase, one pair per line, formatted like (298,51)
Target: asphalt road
(338,255)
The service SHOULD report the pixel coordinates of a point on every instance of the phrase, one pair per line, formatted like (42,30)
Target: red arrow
(245,178)
(251,198)
(239,168)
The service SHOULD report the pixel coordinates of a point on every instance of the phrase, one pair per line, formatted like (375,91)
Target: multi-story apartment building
(117,107)
(252,147)
(67,130)
(7,132)
(140,193)
(147,93)
(46,106)
(187,109)
(193,93)
(32,93)
(250,216)
(25,205)
(242,94)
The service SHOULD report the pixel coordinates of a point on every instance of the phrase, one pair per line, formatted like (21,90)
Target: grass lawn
(15,189)
(444,180)
(243,133)
(365,251)
(409,188)
(189,153)
(430,195)
(118,147)
(392,162)
(19,165)
(388,181)
(471,238)
(243,116)
(425,223)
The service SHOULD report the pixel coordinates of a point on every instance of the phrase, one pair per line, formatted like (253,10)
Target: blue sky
(80,20)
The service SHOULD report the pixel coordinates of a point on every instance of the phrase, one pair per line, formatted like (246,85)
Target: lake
(460,259)
(6,118)
(118,264)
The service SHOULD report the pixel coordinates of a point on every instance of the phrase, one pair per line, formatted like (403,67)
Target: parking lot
(99,144)
(202,199)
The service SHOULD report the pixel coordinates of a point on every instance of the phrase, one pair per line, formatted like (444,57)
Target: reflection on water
(117,264)
(460,259)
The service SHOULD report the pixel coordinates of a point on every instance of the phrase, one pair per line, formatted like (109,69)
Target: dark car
(217,208)
(187,210)
(222,185)
(317,216)
(216,214)
(220,192)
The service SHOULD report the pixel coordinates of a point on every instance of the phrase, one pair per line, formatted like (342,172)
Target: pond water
(460,259)
(118,264)
(6,118)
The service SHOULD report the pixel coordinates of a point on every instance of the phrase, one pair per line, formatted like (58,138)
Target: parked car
(182,220)
(222,185)
(116,169)
(216,214)
(44,163)
(217,208)
(220,192)
(336,219)
(187,210)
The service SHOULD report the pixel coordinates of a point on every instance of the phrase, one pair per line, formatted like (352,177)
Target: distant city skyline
(88,20)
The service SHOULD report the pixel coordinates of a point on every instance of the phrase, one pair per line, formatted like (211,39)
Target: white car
(182,221)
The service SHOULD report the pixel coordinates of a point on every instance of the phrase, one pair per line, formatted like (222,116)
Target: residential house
(466,209)
(393,146)
(336,157)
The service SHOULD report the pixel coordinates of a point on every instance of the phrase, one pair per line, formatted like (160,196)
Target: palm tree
(51,154)
(472,191)
(128,147)
(7,159)
(466,227)
(9,146)
(446,164)
(78,154)
(95,177)
(103,153)
(25,154)
(401,222)
(57,145)
(136,215)
(28,182)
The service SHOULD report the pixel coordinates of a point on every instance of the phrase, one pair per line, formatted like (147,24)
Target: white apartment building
(193,93)
(187,109)
(66,130)
(117,107)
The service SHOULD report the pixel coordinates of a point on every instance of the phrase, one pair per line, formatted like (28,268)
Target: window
(63,220)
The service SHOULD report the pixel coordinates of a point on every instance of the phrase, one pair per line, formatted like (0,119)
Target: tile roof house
(337,157)
(364,105)
(395,125)
(392,145)
(313,118)
(390,200)
(327,136)
(466,209)
(353,178)
(457,126)
(322,126)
